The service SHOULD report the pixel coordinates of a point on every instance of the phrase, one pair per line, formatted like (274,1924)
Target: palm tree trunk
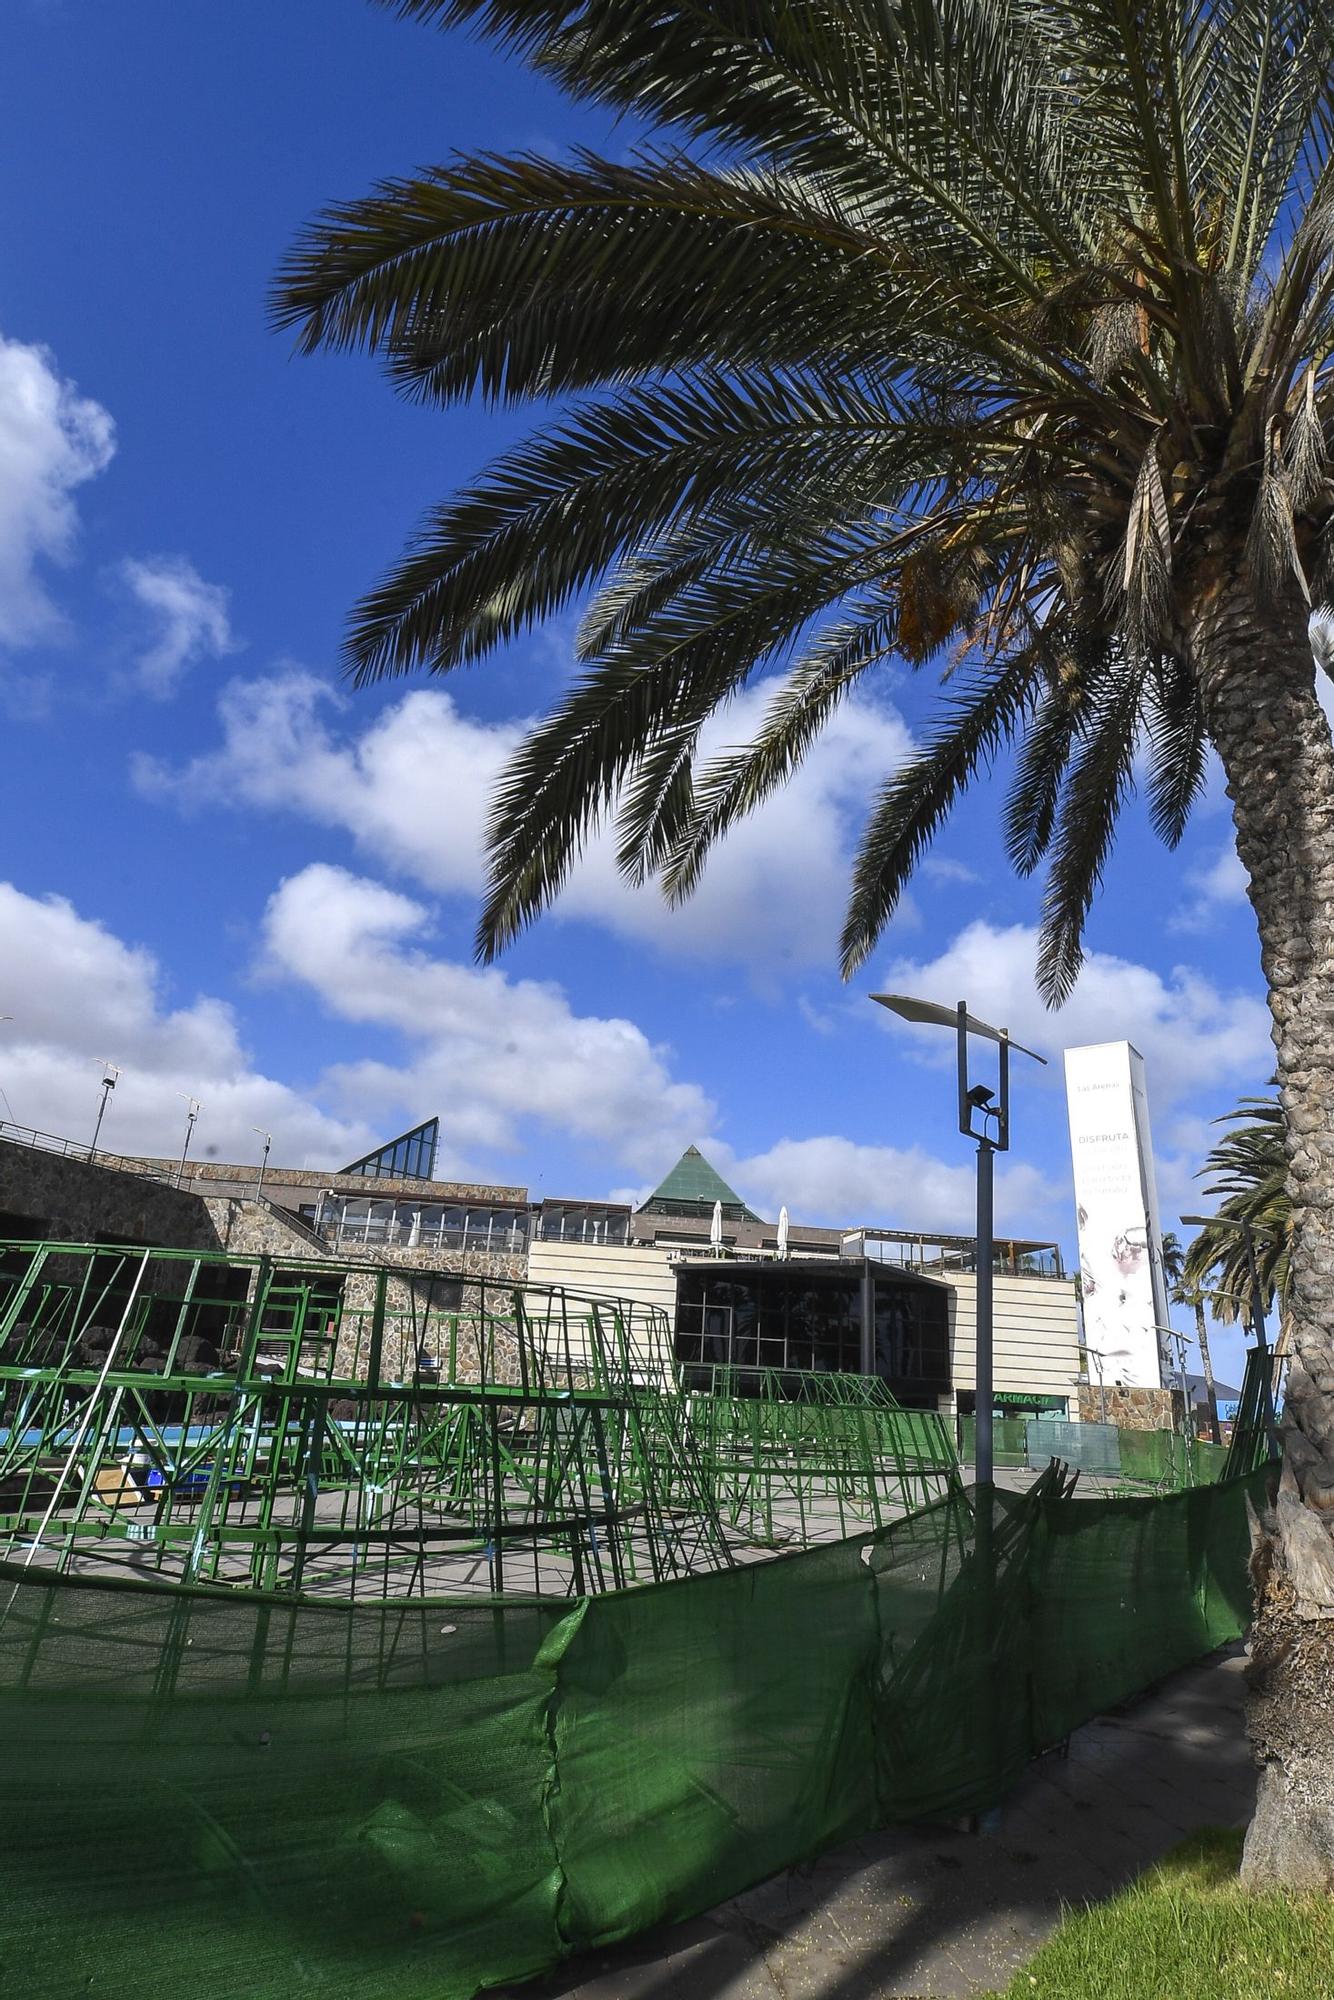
(1210,1392)
(1258,678)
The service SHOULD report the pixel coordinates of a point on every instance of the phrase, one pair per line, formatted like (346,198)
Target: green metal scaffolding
(321,1428)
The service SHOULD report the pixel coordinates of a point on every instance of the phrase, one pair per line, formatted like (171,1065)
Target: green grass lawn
(1186,1931)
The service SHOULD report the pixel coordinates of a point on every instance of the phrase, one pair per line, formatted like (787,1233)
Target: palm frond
(734,785)
(609,476)
(909,810)
(1178,746)
(1044,756)
(1099,776)
(978,331)
(628,709)
(1271,543)
(955,96)
(1248,1168)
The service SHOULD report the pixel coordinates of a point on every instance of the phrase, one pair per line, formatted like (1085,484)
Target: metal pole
(190,1117)
(267,1137)
(985,1254)
(108,1085)
(1202,1342)
(1261,1339)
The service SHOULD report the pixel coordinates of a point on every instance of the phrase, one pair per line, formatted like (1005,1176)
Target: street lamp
(8,1106)
(267,1137)
(984,1116)
(190,1117)
(109,1075)
(1247,1234)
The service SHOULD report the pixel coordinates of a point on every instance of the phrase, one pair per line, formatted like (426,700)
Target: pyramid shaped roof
(692,1187)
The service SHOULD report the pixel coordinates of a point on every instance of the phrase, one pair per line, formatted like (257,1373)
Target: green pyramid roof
(692,1187)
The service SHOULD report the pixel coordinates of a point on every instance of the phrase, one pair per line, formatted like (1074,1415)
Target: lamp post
(984,1117)
(109,1075)
(3,1099)
(190,1117)
(1247,1235)
(1180,1342)
(267,1137)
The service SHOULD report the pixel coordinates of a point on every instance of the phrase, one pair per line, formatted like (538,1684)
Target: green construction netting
(219,1793)
(1167,1459)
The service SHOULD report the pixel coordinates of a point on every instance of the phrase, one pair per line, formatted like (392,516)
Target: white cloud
(1220,884)
(80,996)
(941,868)
(189,618)
(413,789)
(488,1052)
(1192,1035)
(52,440)
(493,1056)
(836,1182)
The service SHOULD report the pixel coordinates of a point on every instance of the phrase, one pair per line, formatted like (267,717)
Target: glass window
(912,1350)
(409,1157)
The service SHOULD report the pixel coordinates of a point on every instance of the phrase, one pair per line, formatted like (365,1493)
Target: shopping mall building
(737,1292)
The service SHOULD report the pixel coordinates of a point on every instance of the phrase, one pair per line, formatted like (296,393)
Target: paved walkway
(938,1915)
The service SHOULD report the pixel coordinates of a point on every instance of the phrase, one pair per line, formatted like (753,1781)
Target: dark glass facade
(811,1318)
(410,1157)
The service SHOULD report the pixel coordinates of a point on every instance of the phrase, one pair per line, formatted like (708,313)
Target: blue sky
(238,880)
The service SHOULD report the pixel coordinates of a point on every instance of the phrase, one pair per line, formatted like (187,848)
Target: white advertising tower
(1120,1243)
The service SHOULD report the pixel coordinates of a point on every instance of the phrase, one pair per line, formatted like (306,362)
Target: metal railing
(290,1218)
(394,1224)
(75,1149)
(46,1142)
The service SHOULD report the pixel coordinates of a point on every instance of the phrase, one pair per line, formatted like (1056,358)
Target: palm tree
(1184,1293)
(1249,1169)
(990,336)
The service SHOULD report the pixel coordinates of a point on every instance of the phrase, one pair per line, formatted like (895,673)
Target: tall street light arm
(978,1103)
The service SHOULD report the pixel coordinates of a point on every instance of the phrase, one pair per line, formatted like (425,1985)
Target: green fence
(1009,1440)
(1164,1460)
(218,1793)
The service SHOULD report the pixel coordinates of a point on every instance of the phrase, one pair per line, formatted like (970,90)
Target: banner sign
(1120,1244)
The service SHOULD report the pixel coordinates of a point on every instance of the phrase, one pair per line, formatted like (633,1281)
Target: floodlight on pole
(109,1074)
(267,1137)
(984,1117)
(3,1099)
(1247,1234)
(191,1114)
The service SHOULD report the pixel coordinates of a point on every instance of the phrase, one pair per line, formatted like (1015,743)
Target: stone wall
(73,1201)
(77,1202)
(252,1229)
(305,1184)
(1131,1409)
(418,1315)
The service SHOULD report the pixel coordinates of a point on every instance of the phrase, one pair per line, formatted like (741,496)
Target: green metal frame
(1261,1392)
(151,1416)
(802,1457)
